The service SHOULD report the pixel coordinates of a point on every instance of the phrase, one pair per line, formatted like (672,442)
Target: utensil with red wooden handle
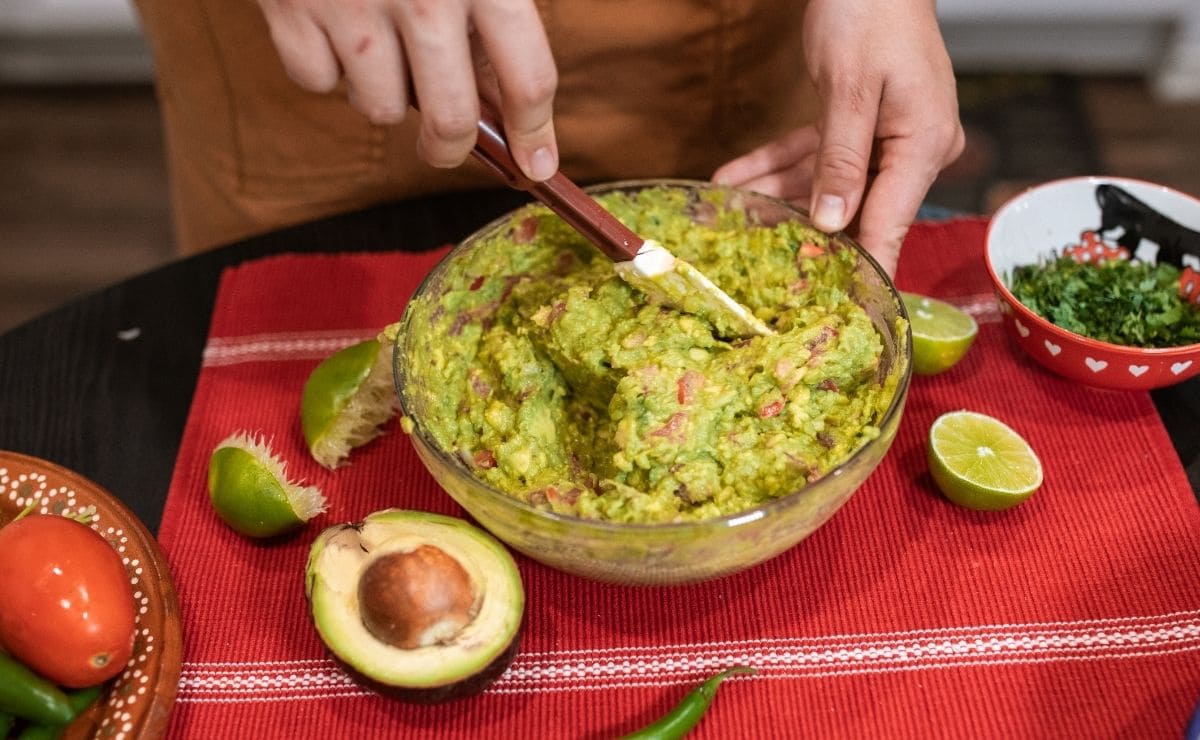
(643,263)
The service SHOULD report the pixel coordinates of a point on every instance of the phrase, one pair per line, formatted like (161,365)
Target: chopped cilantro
(1136,304)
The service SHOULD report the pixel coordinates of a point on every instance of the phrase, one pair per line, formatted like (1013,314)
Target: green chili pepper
(687,713)
(78,700)
(25,694)
(6,723)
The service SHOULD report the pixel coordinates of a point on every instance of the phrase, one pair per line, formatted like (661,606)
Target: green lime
(942,333)
(979,462)
(347,398)
(249,489)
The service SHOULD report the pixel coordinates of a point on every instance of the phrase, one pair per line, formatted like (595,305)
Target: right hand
(889,122)
(448,51)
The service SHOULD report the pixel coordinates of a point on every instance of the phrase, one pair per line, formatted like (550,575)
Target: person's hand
(448,51)
(889,114)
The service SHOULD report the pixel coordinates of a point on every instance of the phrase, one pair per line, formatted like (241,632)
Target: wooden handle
(562,196)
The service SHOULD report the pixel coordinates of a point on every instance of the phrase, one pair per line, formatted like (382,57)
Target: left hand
(889,115)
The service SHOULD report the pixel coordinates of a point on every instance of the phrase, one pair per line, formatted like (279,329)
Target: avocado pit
(416,599)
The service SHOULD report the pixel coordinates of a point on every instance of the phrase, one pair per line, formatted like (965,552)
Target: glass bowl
(661,553)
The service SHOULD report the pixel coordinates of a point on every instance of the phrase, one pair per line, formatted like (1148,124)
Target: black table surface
(103,385)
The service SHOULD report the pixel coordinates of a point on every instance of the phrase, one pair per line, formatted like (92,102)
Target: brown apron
(646,88)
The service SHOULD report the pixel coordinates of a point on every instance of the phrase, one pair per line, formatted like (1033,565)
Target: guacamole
(554,380)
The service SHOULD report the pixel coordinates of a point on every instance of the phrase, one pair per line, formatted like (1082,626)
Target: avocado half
(419,606)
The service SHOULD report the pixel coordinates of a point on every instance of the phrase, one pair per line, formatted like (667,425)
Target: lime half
(249,488)
(979,462)
(347,398)
(942,333)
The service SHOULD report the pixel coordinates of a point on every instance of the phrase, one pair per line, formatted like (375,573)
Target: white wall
(71,41)
(1158,38)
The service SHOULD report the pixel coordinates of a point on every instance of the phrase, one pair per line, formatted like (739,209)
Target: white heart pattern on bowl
(1179,367)
(1138,371)
(1021,328)
(1095,365)
(1052,348)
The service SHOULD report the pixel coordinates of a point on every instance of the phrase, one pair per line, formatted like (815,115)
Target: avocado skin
(466,685)
(469,686)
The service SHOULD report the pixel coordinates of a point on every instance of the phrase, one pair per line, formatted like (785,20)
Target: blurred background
(1047,90)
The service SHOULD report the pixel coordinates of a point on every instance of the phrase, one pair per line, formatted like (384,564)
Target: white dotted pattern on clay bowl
(136,703)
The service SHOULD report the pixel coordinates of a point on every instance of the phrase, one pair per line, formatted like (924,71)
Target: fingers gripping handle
(563,197)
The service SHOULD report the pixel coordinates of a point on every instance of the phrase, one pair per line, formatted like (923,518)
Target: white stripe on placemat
(287,346)
(982,307)
(1118,638)
(282,346)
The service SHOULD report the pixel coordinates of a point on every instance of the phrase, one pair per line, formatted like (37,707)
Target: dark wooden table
(103,385)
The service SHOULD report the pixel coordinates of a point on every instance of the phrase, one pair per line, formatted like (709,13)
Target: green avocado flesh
(555,381)
(340,555)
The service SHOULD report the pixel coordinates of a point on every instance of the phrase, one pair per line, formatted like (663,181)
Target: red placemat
(1076,614)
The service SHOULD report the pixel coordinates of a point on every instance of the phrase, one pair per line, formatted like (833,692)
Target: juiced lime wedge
(942,333)
(249,488)
(347,398)
(979,462)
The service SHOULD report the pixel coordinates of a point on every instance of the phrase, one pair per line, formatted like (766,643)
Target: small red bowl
(1152,221)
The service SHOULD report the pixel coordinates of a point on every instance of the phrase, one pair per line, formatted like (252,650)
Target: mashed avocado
(555,381)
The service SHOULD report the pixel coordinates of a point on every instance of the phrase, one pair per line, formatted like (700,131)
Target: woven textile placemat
(1076,614)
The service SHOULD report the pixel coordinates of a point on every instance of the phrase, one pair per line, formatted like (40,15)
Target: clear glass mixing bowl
(659,553)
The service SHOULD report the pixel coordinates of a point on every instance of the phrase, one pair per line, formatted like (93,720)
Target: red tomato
(66,605)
